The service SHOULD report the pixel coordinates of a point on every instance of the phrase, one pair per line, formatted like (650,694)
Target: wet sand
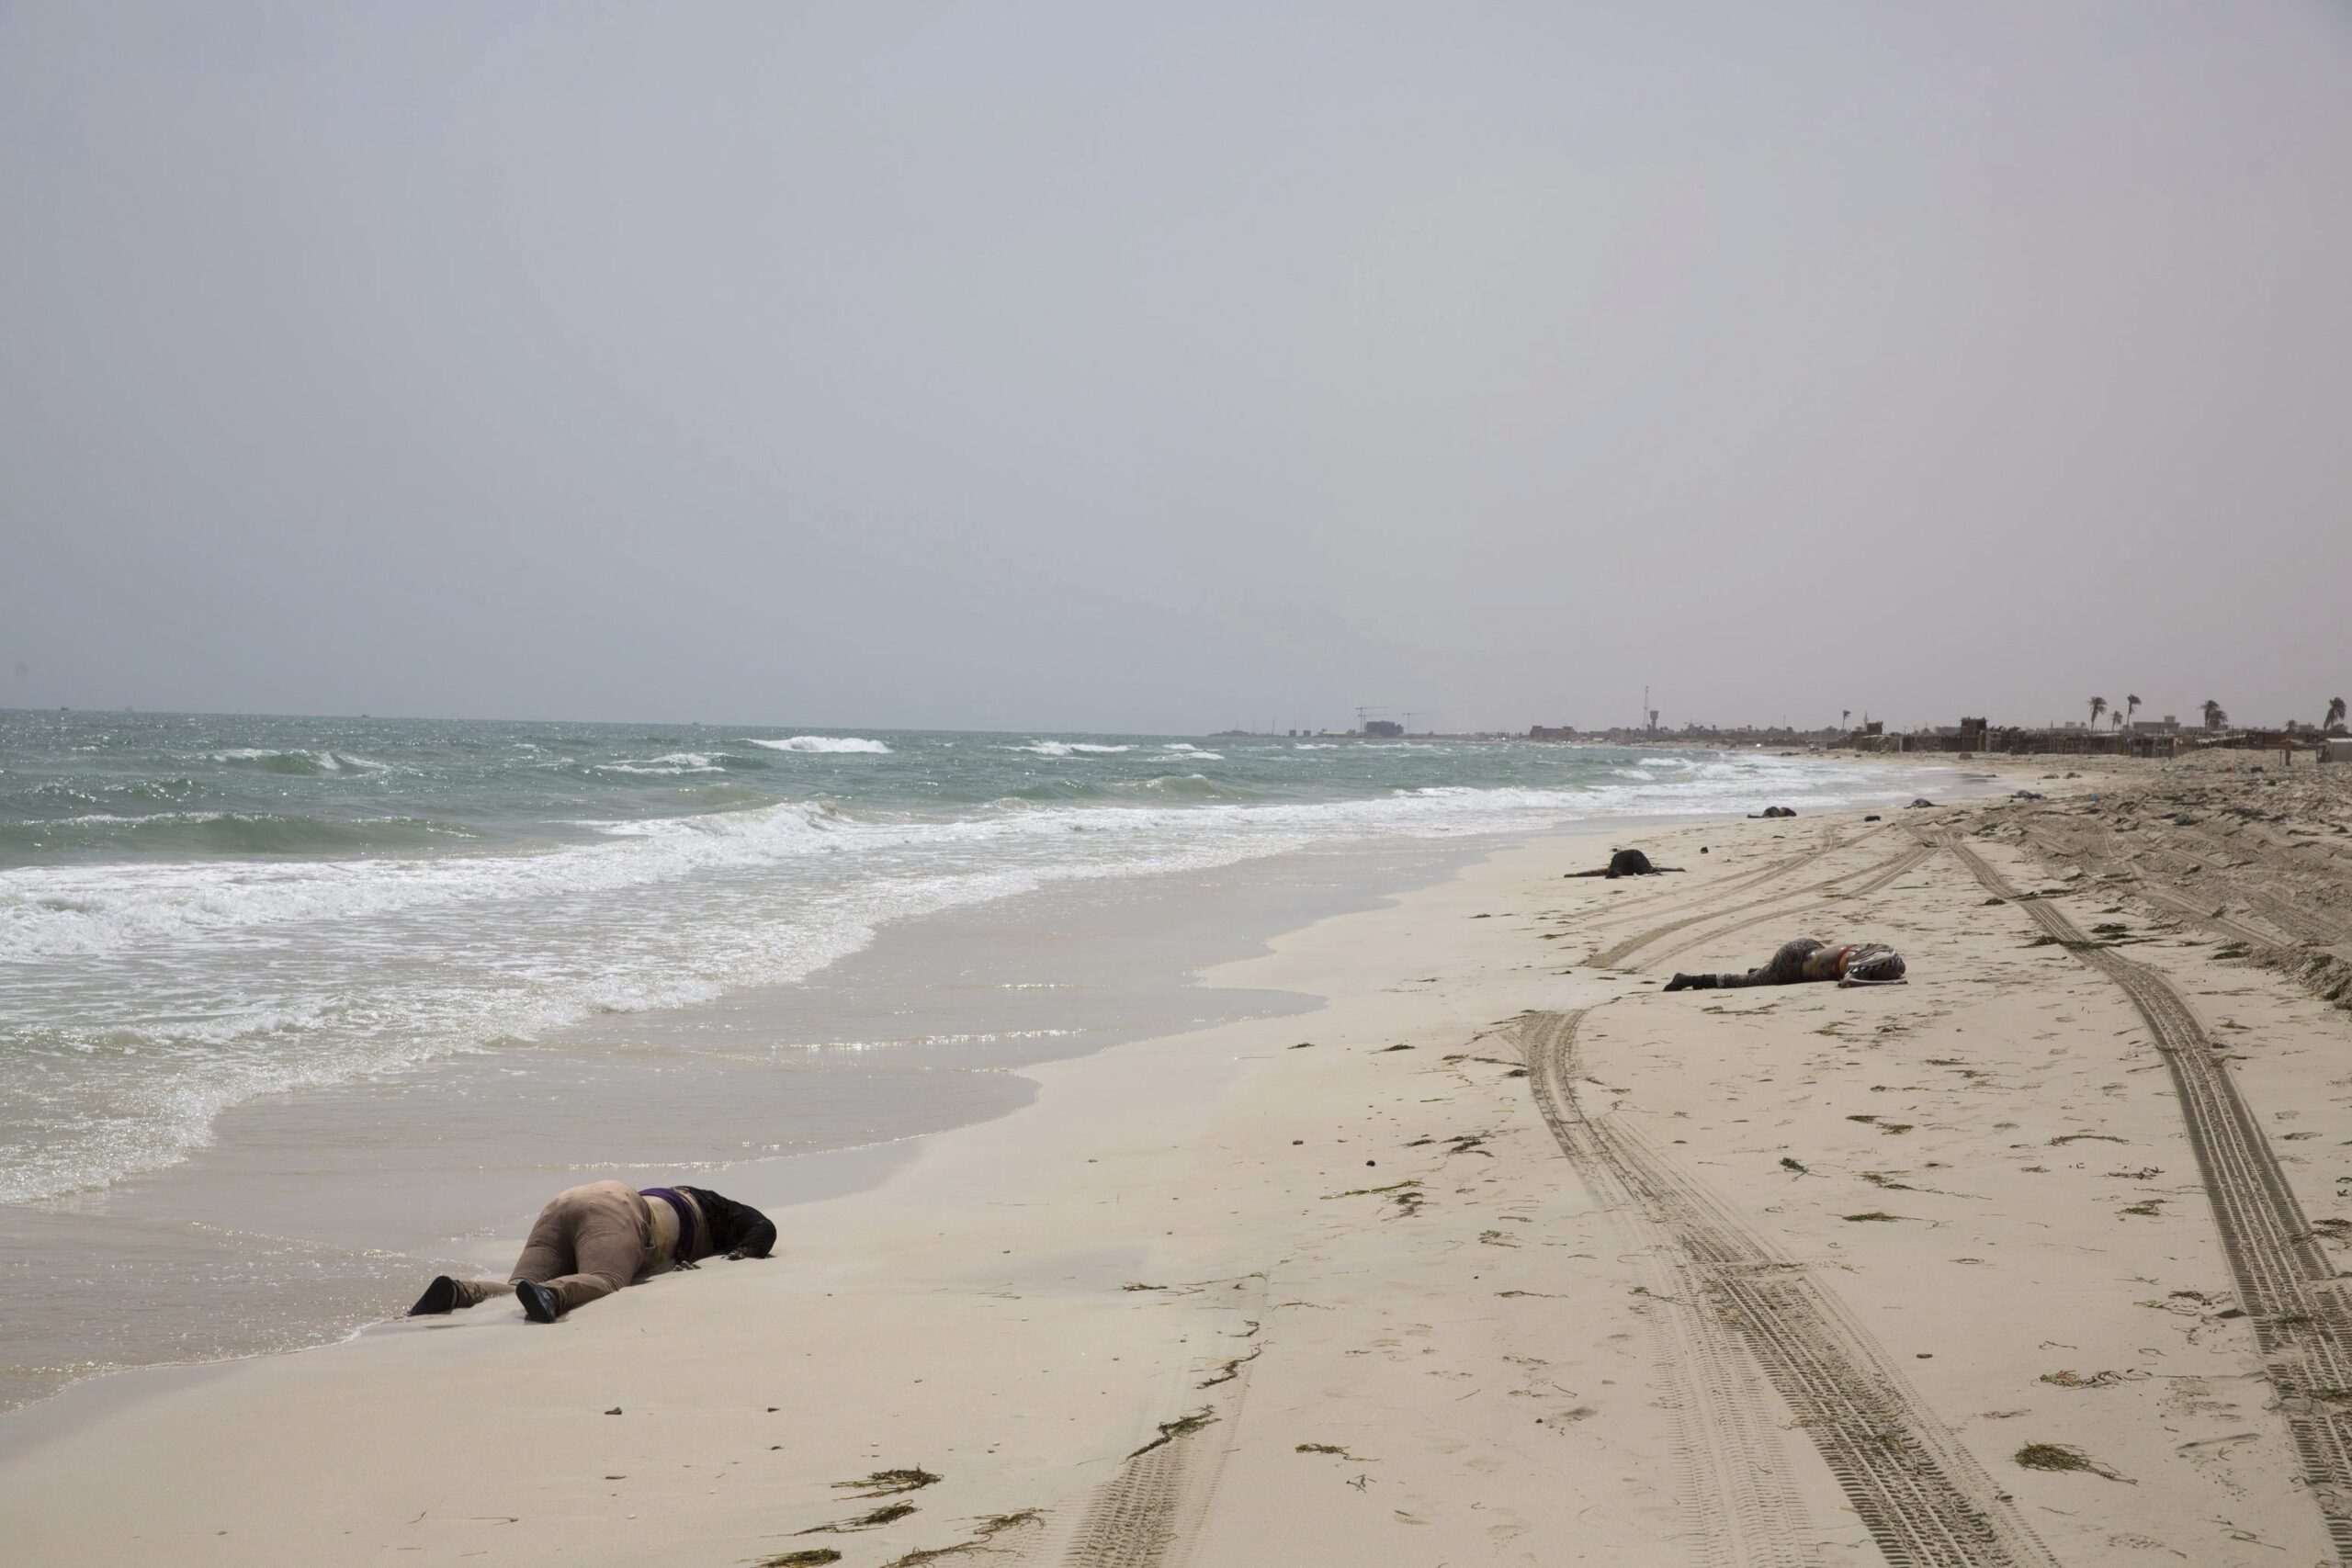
(313,1214)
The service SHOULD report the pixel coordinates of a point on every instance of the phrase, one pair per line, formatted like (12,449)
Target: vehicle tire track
(1148,1515)
(1879,875)
(1731,1466)
(2304,1333)
(1612,957)
(1830,842)
(1731,1463)
(1923,1499)
(1131,1520)
(1901,867)
(2181,904)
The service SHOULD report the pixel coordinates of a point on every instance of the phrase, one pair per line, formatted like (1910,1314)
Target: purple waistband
(683,1251)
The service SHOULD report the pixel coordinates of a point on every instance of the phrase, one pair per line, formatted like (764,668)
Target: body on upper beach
(1807,959)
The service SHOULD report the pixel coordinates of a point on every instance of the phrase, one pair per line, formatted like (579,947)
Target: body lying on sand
(591,1241)
(1805,959)
(1627,863)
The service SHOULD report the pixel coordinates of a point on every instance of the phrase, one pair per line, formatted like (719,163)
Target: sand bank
(1501,1256)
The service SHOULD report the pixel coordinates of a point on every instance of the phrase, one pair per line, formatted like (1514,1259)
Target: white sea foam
(827,745)
(669,765)
(299,759)
(54,911)
(1069,749)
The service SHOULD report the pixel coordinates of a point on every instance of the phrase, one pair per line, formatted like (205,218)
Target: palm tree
(2214,716)
(2130,706)
(1844,714)
(2099,706)
(2335,720)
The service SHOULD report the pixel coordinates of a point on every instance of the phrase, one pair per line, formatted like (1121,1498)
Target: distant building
(1552,732)
(1386,728)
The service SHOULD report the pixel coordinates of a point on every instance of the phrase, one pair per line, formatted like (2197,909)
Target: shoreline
(421,1212)
(432,1167)
(952,1180)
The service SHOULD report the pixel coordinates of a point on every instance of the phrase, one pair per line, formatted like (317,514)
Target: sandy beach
(1500,1256)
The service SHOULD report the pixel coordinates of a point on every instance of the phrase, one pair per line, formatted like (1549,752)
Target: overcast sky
(1169,367)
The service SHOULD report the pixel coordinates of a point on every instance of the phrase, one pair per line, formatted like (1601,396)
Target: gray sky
(1170,367)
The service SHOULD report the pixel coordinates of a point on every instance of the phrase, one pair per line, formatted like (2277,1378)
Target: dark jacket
(732,1226)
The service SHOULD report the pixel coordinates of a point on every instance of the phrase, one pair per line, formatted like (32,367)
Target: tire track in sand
(1732,1466)
(1923,1499)
(1879,873)
(1887,871)
(1148,1515)
(1829,844)
(2304,1331)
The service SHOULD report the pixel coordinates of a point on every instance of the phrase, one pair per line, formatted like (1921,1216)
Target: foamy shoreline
(299,1199)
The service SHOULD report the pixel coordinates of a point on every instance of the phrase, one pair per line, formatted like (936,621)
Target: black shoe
(539,1302)
(1679,983)
(439,1297)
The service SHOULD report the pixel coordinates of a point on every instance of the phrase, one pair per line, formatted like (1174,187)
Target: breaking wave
(826,745)
(1070,748)
(667,766)
(298,763)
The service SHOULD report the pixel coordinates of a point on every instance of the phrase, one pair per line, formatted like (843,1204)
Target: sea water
(373,951)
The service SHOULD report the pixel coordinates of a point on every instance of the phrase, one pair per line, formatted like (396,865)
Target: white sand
(1519,1358)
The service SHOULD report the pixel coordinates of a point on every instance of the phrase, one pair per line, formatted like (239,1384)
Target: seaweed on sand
(1183,1425)
(890,1483)
(989,1529)
(2062,1457)
(1228,1370)
(1368,1192)
(888,1514)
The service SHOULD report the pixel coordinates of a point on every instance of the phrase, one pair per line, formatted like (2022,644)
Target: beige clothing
(587,1243)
